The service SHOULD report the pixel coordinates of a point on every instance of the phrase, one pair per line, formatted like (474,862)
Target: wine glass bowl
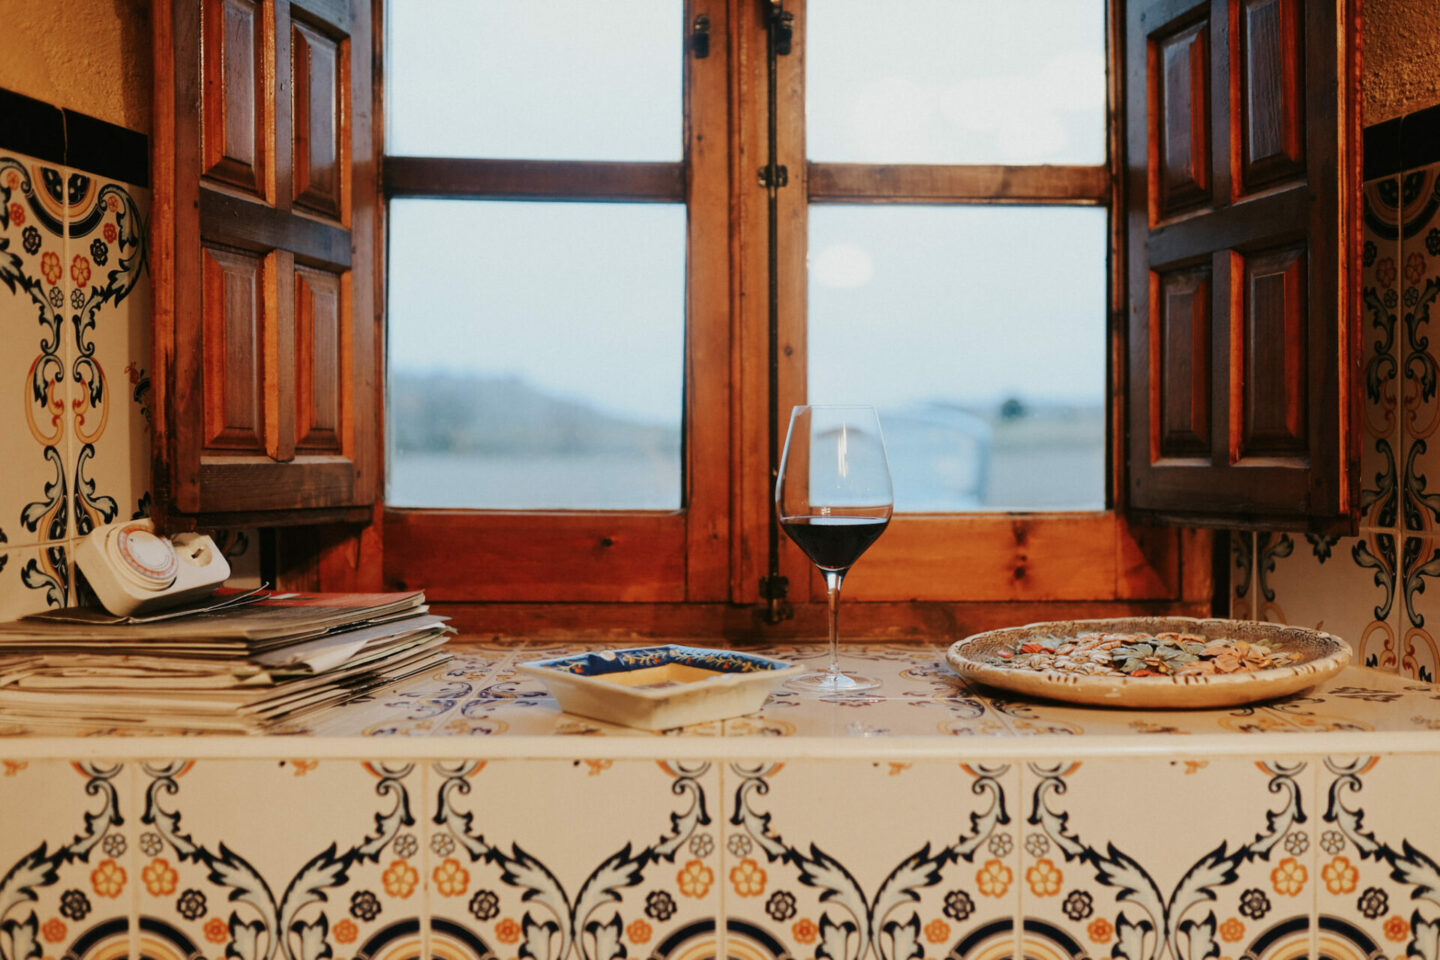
(833,498)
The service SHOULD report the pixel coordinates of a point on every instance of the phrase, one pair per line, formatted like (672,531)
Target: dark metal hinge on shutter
(781,176)
(700,36)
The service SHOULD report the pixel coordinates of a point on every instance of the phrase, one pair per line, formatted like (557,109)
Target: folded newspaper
(243,667)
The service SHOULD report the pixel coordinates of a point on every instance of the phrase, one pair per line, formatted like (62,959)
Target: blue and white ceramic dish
(659,687)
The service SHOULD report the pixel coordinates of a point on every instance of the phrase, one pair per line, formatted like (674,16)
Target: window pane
(535,354)
(956,81)
(979,334)
(515,79)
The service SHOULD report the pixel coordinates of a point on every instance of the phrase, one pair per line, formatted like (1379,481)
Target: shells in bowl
(1151,662)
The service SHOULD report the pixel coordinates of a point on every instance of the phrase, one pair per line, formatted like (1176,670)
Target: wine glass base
(826,683)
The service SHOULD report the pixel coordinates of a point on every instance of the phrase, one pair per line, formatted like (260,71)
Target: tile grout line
(427,907)
(133,848)
(1315,860)
(722,909)
(1400,600)
(1018,950)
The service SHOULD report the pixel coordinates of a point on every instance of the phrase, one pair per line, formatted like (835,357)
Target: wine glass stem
(833,579)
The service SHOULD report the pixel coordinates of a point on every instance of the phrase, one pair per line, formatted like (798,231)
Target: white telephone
(132,570)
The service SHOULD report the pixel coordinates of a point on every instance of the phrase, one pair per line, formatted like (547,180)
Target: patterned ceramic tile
(1119,859)
(32,579)
(1419,282)
(908,859)
(456,699)
(241,548)
(1345,586)
(1380,296)
(919,695)
(36,366)
(1376,872)
(341,873)
(66,858)
(534,875)
(109,326)
(1242,574)
(1361,699)
(1419,656)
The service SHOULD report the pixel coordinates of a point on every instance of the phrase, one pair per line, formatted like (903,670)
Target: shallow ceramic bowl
(656,688)
(1321,657)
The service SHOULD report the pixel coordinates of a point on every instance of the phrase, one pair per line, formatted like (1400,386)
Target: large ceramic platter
(1319,657)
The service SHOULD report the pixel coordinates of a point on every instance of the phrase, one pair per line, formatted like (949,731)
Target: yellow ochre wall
(1402,57)
(90,56)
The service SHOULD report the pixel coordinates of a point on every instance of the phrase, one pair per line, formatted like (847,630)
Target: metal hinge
(783,22)
(700,36)
(773,590)
(781,178)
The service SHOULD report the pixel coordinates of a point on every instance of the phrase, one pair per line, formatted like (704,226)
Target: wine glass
(833,499)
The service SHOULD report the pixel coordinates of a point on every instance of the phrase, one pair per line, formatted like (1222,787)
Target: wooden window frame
(637,556)
(698,570)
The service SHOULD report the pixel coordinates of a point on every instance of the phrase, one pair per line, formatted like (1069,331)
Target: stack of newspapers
(244,663)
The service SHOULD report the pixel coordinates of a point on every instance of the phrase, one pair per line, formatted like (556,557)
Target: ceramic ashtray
(655,688)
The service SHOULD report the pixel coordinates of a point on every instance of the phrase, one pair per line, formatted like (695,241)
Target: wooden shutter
(1242,188)
(264,260)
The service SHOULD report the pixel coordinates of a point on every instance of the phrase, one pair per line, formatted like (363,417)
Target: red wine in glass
(833,498)
(834,543)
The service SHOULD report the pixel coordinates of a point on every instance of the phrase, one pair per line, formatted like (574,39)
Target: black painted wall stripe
(104,150)
(1420,138)
(68,138)
(32,128)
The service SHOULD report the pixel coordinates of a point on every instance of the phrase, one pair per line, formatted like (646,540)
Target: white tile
(35,432)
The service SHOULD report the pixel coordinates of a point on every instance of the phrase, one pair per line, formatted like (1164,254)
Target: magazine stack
(242,663)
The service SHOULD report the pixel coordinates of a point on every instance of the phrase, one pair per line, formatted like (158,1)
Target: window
(947,246)
(558,291)
(563,207)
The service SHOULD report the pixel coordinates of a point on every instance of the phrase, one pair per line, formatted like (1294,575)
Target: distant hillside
(456,413)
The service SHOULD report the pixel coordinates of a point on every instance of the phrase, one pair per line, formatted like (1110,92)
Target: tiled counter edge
(602,849)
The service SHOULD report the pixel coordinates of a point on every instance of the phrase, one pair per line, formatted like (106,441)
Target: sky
(907,304)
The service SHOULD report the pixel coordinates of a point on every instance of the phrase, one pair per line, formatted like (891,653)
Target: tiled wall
(74,344)
(465,859)
(1372,589)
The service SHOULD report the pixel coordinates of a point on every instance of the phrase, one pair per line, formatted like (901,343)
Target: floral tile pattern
(1376,864)
(74,300)
(1380,363)
(1419,282)
(1346,586)
(1419,656)
(537,877)
(340,871)
(34,300)
(66,858)
(32,579)
(808,871)
(1236,878)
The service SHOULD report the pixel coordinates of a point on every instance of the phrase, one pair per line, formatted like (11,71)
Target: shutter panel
(1242,191)
(265,266)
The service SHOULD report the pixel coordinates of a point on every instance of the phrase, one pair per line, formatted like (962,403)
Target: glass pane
(535,354)
(979,334)
(515,79)
(956,81)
